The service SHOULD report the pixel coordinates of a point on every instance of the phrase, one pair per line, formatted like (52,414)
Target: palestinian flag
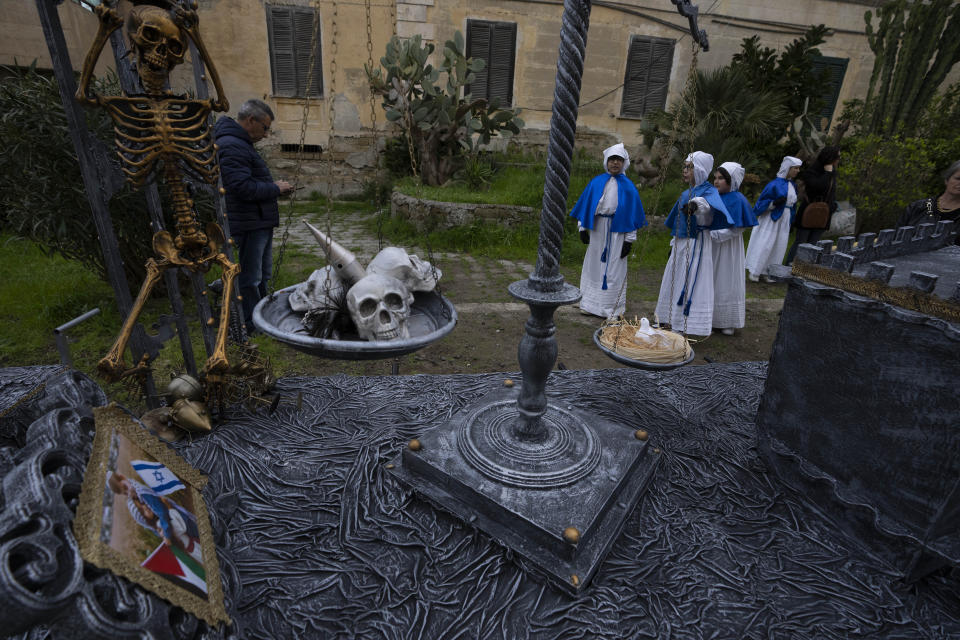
(175,562)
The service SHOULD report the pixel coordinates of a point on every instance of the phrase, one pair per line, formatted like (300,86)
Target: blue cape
(776,188)
(629,215)
(678,222)
(739,208)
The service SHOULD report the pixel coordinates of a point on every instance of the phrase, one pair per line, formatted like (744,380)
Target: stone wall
(427,215)
(341,169)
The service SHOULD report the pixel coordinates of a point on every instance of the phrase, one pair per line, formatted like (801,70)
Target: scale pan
(640,364)
(432,317)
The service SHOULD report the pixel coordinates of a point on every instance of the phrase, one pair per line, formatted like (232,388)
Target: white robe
(698,276)
(769,239)
(612,301)
(729,285)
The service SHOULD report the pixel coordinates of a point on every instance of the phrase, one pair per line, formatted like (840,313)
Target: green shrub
(476,173)
(42,195)
(396,157)
(881,176)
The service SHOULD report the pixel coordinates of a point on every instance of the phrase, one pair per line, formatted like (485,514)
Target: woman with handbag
(819,201)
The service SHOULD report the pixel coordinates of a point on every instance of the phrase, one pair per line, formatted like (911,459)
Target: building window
(290,33)
(647,78)
(310,151)
(495,43)
(835,69)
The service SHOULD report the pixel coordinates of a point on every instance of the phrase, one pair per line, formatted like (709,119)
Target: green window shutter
(290,34)
(502,52)
(494,43)
(647,78)
(283,66)
(479,36)
(836,69)
(303,39)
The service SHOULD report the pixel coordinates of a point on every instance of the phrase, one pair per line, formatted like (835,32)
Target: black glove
(625,251)
(779,202)
(585,236)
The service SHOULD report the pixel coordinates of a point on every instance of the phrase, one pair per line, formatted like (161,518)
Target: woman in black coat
(946,206)
(820,185)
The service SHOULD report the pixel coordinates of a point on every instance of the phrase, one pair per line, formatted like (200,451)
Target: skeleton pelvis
(165,246)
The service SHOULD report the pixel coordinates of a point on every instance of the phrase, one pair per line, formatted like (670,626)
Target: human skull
(416,274)
(158,44)
(380,307)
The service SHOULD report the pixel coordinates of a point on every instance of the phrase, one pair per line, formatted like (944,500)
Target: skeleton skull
(380,307)
(416,274)
(158,44)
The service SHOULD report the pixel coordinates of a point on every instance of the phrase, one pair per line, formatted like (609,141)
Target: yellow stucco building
(638,56)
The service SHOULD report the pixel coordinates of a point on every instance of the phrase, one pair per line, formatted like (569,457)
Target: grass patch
(38,293)
(520,181)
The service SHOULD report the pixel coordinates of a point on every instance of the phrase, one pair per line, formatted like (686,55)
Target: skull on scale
(375,302)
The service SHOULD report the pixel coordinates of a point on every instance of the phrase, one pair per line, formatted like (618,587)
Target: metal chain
(332,117)
(373,128)
(672,139)
(278,261)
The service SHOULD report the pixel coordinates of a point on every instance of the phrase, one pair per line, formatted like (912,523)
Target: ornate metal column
(547,481)
(545,289)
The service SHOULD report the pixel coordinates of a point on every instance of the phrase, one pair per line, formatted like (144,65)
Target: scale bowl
(640,364)
(432,317)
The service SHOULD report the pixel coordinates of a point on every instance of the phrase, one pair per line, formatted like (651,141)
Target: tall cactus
(441,120)
(915,46)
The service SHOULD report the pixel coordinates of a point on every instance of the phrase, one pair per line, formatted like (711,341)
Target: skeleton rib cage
(147,128)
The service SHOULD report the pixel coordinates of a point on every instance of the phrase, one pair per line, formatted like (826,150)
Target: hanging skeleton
(159,127)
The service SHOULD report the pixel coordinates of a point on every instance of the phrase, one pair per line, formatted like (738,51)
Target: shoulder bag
(816,215)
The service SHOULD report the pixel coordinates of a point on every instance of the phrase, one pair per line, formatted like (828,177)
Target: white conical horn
(341,259)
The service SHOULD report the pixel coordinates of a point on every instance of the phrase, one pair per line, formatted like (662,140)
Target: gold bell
(640,434)
(571,535)
(184,386)
(508,382)
(414,445)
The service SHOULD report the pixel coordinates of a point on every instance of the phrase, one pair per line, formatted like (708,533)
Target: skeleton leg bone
(111,365)
(217,362)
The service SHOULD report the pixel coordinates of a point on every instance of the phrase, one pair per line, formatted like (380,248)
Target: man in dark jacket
(251,197)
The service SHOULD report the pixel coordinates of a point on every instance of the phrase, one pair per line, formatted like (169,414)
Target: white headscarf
(788,161)
(702,165)
(736,171)
(617,150)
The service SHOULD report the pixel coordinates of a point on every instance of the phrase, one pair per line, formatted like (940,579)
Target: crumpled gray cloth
(329,545)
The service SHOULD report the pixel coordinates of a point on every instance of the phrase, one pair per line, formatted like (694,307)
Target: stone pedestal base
(588,475)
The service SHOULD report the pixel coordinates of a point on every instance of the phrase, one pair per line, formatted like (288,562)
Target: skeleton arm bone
(189,20)
(110,21)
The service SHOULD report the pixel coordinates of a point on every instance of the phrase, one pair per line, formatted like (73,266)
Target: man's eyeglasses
(266,127)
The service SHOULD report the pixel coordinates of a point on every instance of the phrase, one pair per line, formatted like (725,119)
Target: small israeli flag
(157,477)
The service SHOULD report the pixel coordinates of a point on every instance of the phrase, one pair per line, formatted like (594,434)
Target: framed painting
(142,517)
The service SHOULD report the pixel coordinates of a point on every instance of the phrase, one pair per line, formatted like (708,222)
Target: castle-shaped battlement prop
(860,411)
